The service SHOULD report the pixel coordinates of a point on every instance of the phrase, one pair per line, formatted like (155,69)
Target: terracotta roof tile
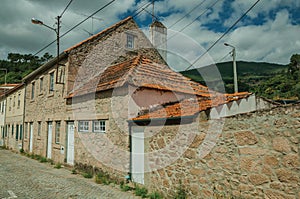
(100,33)
(189,107)
(142,72)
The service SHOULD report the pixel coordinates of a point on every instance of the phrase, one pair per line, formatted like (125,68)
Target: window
(12,130)
(26,130)
(17,132)
(9,104)
(51,82)
(19,100)
(83,126)
(32,90)
(39,128)
(130,41)
(57,132)
(3,106)
(14,102)
(41,84)
(21,131)
(99,126)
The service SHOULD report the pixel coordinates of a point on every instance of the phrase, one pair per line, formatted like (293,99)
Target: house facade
(14,117)
(50,123)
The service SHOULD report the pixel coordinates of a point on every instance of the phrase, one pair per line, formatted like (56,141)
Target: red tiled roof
(190,107)
(100,33)
(142,72)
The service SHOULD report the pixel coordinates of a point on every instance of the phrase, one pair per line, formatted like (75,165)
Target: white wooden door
(49,143)
(30,137)
(137,155)
(70,149)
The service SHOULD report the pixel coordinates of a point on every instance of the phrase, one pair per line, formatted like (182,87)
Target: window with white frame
(99,126)
(130,41)
(83,126)
(57,132)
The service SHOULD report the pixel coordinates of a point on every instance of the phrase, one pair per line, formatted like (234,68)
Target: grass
(87,175)
(58,165)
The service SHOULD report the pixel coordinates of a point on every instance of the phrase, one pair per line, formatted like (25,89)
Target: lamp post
(56,30)
(4,69)
(234,67)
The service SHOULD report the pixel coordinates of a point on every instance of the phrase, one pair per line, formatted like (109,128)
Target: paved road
(22,177)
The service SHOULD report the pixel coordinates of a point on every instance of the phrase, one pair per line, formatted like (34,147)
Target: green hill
(250,75)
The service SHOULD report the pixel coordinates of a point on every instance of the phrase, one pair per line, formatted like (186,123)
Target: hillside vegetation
(273,81)
(19,65)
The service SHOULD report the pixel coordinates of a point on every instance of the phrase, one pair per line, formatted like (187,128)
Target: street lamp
(56,30)
(234,67)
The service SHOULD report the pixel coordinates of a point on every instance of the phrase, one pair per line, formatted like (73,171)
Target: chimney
(158,33)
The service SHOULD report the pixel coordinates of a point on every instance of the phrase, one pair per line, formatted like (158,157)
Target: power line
(76,26)
(146,5)
(187,14)
(66,8)
(225,33)
(210,7)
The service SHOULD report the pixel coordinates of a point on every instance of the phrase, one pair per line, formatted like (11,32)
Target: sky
(268,33)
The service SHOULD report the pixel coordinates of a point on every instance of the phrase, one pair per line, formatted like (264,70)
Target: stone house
(3,90)
(48,124)
(14,115)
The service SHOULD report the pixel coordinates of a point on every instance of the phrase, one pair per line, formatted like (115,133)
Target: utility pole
(235,82)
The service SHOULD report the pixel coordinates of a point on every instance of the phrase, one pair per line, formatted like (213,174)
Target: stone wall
(254,155)
(107,151)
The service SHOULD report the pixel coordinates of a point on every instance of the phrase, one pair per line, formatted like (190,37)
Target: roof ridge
(99,33)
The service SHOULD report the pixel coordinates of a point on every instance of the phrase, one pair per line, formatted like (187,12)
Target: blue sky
(269,33)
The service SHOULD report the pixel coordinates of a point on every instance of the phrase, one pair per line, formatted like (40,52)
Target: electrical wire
(225,33)
(66,8)
(106,5)
(146,5)
(187,14)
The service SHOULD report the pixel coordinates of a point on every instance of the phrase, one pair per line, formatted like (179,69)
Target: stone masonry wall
(107,151)
(256,155)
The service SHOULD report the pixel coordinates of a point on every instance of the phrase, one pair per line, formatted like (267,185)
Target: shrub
(57,166)
(43,159)
(74,171)
(103,178)
(87,175)
(141,191)
(155,195)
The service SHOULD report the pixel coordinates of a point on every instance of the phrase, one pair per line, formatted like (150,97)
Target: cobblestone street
(22,177)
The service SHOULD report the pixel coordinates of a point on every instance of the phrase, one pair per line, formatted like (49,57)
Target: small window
(26,130)
(17,132)
(83,126)
(10,104)
(12,130)
(39,128)
(41,84)
(14,102)
(32,90)
(19,100)
(21,131)
(130,41)
(51,82)
(3,106)
(57,132)
(99,126)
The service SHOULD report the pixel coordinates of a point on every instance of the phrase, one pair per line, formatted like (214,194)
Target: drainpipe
(24,109)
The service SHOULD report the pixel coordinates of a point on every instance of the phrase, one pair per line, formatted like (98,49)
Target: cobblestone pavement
(22,177)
